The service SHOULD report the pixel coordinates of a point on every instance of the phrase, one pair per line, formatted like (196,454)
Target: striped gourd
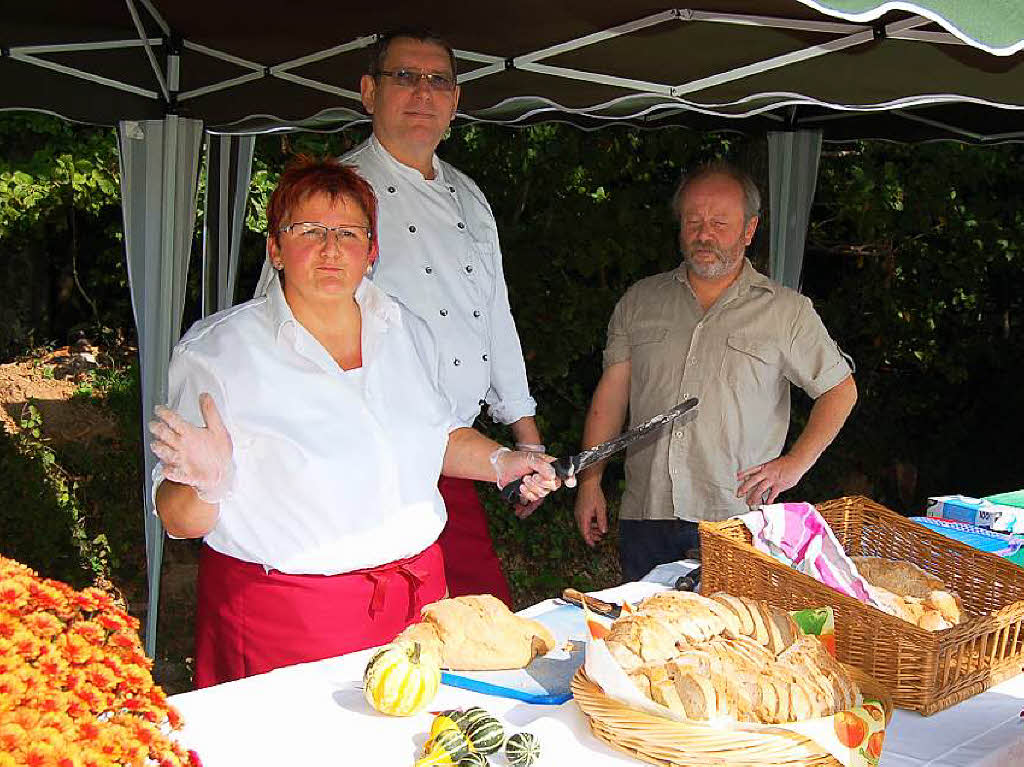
(399,680)
(475,759)
(471,716)
(441,722)
(486,734)
(448,747)
(522,749)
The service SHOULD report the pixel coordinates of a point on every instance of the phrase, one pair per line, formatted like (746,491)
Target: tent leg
(159,174)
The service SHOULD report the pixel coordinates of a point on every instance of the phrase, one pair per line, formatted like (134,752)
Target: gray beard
(722,266)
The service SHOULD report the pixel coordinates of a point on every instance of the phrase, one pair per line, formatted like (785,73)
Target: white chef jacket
(440,256)
(335,470)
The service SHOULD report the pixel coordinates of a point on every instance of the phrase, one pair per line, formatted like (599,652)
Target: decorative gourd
(475,759)
(441,722)
(399,680)
(447,747)
(486,734)
(522,749)
(471,716)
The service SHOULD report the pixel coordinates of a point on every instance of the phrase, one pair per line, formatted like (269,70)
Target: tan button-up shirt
(739,358)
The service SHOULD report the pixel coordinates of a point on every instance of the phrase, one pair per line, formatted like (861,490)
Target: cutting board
(547,679)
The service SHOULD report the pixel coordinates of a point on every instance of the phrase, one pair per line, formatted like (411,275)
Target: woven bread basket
(670,743)
(922,670)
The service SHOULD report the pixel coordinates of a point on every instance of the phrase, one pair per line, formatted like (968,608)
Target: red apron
(250,621)
(470,564)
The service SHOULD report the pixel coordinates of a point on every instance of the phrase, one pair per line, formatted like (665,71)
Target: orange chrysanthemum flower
(44,624)
(75,686)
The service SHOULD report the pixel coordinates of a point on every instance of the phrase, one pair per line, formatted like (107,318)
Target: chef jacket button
(412,229)
(457,362)
(461,225)
(429,270)
(452,190)
(469,267)
(476,312)
(679,434)
(391,189)
(444,312)
(485,358)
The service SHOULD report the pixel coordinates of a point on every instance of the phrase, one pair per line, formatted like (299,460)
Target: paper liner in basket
(854,737)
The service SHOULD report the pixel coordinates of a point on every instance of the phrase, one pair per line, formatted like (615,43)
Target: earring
(278,265)
(369,269)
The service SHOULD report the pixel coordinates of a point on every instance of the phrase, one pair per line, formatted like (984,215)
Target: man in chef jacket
(440,256)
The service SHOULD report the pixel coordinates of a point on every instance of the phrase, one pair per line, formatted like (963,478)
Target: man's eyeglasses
(410,78)
(311,232)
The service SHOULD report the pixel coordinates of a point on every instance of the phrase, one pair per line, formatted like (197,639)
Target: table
(315,714)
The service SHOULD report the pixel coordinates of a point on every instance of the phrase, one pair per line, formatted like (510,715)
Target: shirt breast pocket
(751,363)
(647,347)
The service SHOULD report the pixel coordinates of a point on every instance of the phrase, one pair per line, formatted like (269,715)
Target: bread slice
(789,632)
(771,705)
(642,682)
(800,702)
(741,652)
(690,615)
(663,688)
(890,603)
(736,605)
(781,684)
(810,658)
(932,620)
(697,694)
(947,604)
(635,640)
(757,614)
(775,644)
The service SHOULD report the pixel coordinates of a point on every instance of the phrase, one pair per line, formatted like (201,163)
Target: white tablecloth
(315,714)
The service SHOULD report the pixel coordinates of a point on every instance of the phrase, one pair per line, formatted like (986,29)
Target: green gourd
(475,759)
(471,716)
(486,734)
(447,747)
(522,750)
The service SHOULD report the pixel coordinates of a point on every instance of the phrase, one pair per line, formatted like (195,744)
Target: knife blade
(572,465)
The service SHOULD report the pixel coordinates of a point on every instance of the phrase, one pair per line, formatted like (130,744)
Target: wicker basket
(682,744)
(923,670)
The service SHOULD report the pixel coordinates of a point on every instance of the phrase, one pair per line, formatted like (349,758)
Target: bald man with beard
(717,329)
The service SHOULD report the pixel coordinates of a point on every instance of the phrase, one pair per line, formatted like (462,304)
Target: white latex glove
(538,477)
(195,455)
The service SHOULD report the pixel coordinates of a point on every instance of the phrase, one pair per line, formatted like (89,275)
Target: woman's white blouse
(334,472)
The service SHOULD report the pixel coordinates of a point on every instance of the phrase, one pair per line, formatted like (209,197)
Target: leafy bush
(41,523)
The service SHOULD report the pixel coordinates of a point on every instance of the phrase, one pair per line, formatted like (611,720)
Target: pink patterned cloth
(796,534)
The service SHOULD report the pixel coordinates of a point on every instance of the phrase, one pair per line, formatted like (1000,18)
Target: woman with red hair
(303,441)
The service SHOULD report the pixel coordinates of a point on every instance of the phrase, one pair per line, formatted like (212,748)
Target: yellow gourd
(400,680)
(440,723)
(447,747)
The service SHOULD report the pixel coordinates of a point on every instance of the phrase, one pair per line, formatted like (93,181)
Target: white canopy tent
(911,71)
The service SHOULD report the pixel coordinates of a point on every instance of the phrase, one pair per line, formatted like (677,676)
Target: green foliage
(60,230)
(44,525)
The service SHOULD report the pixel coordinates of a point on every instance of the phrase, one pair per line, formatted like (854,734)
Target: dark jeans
(646,543)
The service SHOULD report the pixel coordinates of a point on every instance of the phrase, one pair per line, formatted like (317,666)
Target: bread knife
(572,465)
(595,605)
